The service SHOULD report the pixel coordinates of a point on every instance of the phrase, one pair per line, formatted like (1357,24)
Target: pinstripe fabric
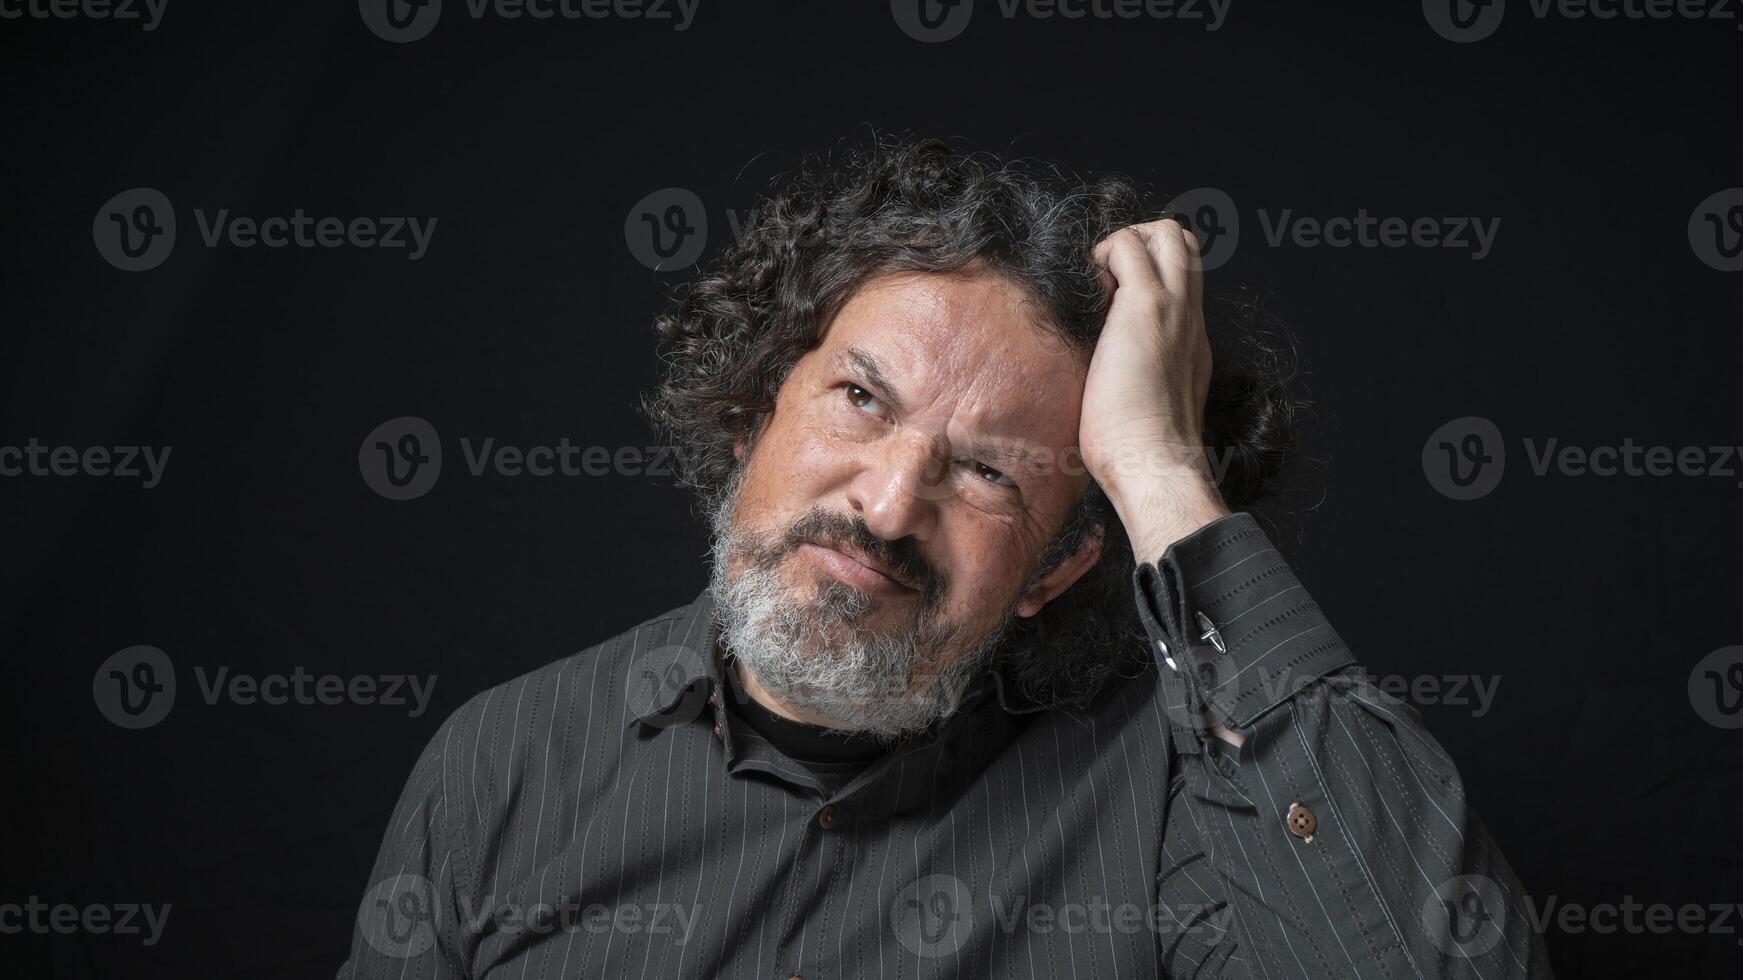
(600,818)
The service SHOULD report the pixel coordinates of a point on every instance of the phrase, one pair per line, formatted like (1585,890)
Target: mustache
(902,556)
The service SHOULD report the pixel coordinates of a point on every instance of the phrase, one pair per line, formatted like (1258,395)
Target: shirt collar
(670,684)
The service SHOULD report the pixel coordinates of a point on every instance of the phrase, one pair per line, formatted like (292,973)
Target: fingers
(1125,256)
(1160,256)
(1175,251)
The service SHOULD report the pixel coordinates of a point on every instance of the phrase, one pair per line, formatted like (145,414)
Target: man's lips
(861,573)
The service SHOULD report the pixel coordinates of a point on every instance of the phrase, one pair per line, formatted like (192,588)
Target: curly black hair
(733,334)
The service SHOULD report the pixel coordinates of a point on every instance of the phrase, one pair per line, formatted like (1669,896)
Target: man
(992,678)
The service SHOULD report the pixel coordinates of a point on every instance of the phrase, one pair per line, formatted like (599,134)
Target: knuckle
(1127,239)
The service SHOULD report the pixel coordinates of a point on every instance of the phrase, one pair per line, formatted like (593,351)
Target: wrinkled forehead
(972,346)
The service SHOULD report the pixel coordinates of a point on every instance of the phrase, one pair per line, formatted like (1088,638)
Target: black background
(1590,598)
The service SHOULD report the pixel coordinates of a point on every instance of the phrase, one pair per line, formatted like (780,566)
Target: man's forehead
(969,346)
(960,327)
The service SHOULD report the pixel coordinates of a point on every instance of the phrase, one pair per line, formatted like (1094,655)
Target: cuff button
(1211,634)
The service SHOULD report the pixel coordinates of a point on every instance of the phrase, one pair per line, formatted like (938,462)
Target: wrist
(1165,508)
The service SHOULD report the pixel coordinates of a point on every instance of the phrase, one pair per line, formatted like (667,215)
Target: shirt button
(826,819)
(717,729)
(1301,822)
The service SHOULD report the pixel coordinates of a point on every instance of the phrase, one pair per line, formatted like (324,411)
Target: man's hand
(1142,424)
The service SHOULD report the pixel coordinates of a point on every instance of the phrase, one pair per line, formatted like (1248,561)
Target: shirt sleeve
(1336,841)
(408,924)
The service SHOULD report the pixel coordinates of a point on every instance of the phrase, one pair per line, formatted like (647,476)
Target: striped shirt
(601,817)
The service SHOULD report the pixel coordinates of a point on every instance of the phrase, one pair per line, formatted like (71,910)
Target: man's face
(902,491)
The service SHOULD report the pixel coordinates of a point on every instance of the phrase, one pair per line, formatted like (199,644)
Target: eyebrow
(874,375)
(1003,454)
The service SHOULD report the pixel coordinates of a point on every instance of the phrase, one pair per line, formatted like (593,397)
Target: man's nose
(900,488)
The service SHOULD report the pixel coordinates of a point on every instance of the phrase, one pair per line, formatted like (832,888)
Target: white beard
(816,656)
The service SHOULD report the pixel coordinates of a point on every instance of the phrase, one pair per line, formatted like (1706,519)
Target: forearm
(1170,496)
(1375,871)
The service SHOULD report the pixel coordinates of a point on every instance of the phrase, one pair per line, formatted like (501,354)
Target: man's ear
(1064,575)
(738,449)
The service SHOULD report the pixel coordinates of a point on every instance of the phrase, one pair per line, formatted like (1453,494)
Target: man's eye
(993,476)
(864,400)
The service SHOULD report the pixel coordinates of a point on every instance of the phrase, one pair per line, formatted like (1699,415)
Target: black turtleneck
(834,757)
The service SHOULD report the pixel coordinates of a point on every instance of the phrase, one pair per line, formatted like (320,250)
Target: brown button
(1301,822)
(795,977)
(826,819)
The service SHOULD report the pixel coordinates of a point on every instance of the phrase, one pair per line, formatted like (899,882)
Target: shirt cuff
(1227,617)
